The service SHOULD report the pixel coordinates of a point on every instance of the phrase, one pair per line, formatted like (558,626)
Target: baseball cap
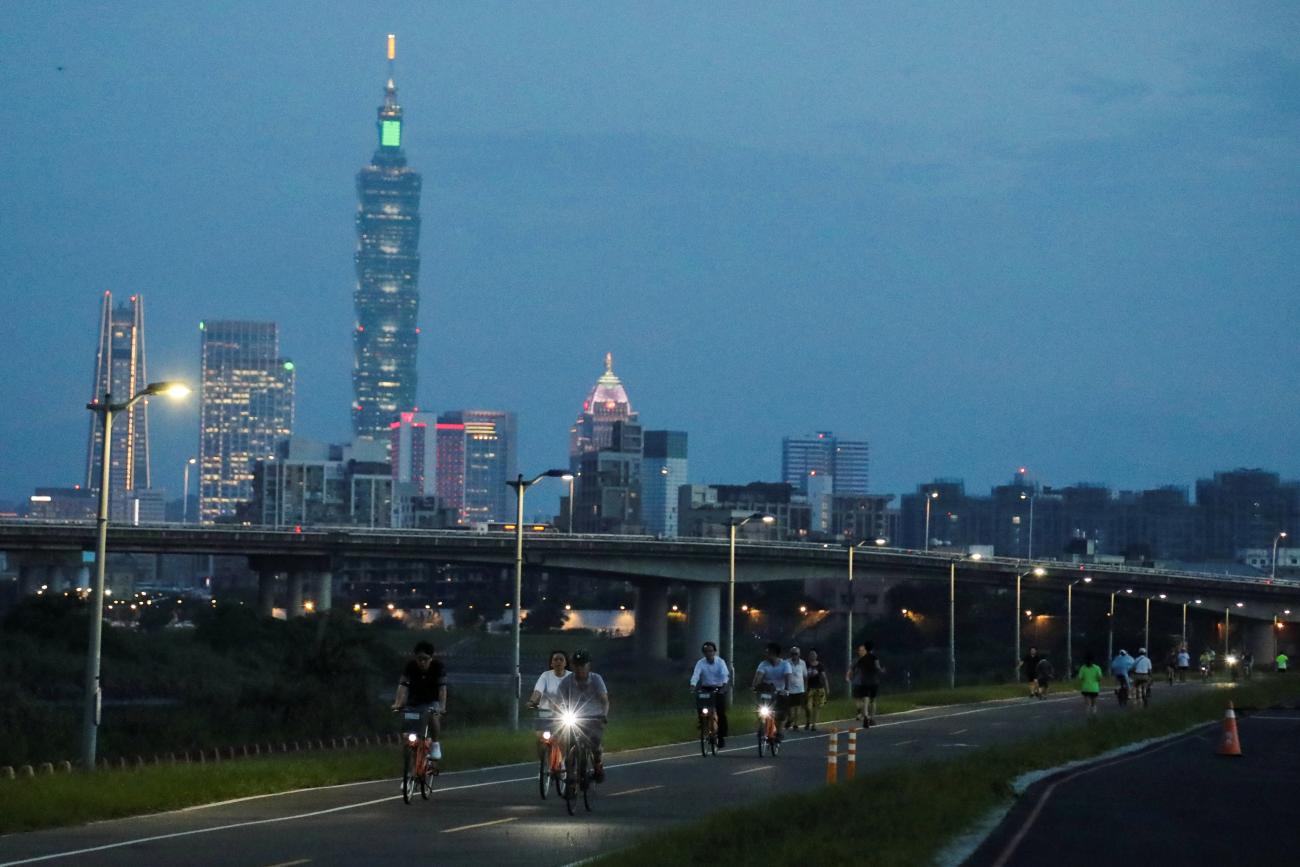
(581,656)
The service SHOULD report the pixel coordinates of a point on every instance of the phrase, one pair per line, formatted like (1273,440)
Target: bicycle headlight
(546,736)
(412,737)
(1232,660)
(704,710)
(569,718)
(764,710)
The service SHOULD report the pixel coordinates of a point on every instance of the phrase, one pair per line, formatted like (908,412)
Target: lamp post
(520,484)
(732,524)
(952,625)
(185,492)
(1277,627)
(1030,497)
(1069,622)
(569,477)
(1038,572)
(932,495)
(848,604)
(105,408)
(1110,637)
(1278,538)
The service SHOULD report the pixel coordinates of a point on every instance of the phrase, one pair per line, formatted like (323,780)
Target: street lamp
(1030,497)
(848,637)
(1038,572)
(569,477)
(185,492)
(933,495)
(1278,538)
(732,524)
(520,484)
(105,408)
(1069,622)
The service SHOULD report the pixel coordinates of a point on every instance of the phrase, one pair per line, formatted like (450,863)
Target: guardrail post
(832,760)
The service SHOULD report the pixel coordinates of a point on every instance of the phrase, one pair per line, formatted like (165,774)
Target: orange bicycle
(706,713)
(768,733)
(550,762)
(418,766)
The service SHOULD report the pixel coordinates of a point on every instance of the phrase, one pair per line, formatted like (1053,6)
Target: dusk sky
(1065,236)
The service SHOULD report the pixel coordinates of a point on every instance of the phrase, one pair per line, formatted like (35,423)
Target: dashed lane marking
(904,743)
(754,770)
(480,825)
(633,791)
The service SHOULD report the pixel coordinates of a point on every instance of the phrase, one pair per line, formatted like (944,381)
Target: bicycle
(706,713)
(579,763)
(768,733)
(418,767)
(1143,686)
(550,761)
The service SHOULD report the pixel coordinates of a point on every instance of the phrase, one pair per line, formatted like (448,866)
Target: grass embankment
(912,812)
(66,799)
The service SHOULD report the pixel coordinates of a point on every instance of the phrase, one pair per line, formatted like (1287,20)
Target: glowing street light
(933,495)
(732,525)
(106,408)
(1037,572)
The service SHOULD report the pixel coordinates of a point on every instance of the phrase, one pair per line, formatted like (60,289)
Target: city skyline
(971,340)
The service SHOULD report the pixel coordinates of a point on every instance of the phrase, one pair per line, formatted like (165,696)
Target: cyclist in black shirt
(423,685)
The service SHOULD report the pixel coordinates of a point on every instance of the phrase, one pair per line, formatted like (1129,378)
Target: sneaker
(599,773)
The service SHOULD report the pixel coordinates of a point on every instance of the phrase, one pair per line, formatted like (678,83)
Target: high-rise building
(120,372)
(412,450)
(846,461)
(1245,508)
(663,472)
(387,296)
(605,453)
(245,410)
(476,451)
(312,483)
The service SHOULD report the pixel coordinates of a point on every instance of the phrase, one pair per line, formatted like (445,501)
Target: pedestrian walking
(798,690)
(1281,662)
(817,682)
(865,677)
(1184,663)
(1090,684)
(1028,667)
(1043,673)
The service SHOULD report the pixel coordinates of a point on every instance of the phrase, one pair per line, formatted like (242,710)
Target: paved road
(1195,807)
(493,816)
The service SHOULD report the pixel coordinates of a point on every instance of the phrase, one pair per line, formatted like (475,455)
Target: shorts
(816,697)
(1043,682)
(867,690)
(1140,679)
(1091,695)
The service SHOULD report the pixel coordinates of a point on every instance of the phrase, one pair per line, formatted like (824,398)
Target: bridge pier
(651,635)
(704,617)
(1256,637)
(293,608)
(266,592)
(324,591)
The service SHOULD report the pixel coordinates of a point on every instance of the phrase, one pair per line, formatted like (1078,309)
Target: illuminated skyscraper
(476,456)
(411,450)
(388,268)
(120,372)
(605,451)
(245,410)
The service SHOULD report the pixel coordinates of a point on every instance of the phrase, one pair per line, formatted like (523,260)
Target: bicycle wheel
(570,794)
(543,776)
(762,739)
(426,779)
(588,793)
(408,779)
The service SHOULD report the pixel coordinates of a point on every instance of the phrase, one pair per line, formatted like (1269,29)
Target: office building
(476,456)
(120,371)
(387,297)
(663,472)
(246,405)
(312,483)
(845,461)
(412,450)
(63,504)
(605,454)
(1245,508)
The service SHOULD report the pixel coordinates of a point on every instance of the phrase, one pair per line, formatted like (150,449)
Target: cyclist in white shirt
(774,672)
(545,696)
(711,671)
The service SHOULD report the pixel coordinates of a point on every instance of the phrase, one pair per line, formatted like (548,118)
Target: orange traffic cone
(1231,744)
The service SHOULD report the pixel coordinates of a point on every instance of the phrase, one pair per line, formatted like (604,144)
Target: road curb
(962,848)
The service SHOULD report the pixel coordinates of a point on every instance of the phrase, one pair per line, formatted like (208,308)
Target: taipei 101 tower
(387,296)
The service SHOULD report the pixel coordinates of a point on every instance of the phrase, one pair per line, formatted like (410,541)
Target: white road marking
(480,825)
(736,774)
(903,743)
(292,863)
(633,791)
(958,732)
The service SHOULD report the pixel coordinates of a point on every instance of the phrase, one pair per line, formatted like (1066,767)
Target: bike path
(495,815)
(1177,802)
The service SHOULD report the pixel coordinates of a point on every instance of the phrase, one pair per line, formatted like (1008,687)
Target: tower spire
(609,362)
(390,89)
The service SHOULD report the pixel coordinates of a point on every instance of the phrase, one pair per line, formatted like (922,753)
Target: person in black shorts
(865,677)
(423,684)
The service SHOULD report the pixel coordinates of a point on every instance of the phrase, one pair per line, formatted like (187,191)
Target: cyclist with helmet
(423,686)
